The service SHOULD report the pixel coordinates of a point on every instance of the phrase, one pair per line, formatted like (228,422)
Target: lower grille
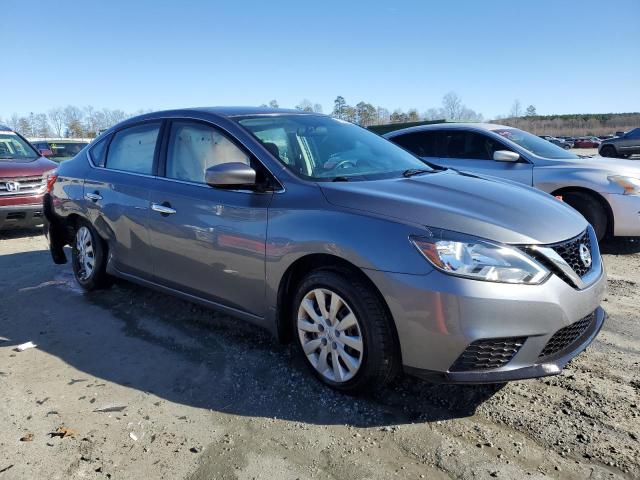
(486,354)
(566,336)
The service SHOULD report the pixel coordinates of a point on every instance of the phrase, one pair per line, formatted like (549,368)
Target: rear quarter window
(98,152)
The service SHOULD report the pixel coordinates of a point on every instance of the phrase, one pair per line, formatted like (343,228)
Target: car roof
(451,126)
(4,128)
(228,112)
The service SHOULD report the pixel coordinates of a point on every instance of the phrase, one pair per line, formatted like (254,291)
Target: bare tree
(530,112)
(305,105)
(56,117)
(452,106)
(516,109)
(13,121)
(40,126)
(274,104)
(317,108)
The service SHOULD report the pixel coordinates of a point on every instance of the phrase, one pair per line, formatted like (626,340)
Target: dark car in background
(587,142)
(557,141)
(24,176)
(622,146)
(59,149)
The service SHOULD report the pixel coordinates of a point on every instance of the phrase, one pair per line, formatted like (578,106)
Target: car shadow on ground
(186,354)
(620,246)
(19,233)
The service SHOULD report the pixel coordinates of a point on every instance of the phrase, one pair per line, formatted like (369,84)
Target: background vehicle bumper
(626,214)
(438,316)
(20,216)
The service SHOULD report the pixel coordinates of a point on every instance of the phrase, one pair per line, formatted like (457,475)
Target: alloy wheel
(86,258)
(330,335)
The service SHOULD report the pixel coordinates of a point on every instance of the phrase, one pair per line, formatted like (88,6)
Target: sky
(572,56)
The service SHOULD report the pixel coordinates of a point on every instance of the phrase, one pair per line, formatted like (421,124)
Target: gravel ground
(154,387)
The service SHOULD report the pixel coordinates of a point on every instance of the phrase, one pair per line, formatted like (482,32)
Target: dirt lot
(193,394)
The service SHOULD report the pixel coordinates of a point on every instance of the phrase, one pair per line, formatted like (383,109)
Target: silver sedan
(605,191)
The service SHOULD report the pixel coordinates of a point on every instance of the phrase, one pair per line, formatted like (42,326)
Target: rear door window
(98,152)
(423,144)
(133,149)
(469,145)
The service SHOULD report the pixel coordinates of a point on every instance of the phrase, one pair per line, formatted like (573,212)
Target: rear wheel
(89,258)
(344,332)
(608,151)
(591,209)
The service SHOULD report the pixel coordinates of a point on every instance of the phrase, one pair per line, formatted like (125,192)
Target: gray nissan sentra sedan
(370,259)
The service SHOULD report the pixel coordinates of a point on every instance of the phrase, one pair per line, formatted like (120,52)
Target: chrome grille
(566,336)
(22,185)
(570,252)
(489,353)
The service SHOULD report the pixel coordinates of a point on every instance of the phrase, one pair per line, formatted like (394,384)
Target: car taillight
(51,179)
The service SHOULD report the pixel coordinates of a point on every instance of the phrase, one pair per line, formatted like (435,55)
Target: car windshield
(535,145)
(323,148)
(66,149)
(12,147)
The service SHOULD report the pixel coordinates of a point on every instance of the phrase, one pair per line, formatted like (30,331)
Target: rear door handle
(94,197)
(164,208)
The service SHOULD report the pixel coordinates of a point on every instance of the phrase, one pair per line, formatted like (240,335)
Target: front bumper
(438,316)
(549,366)
(626,214)
(20,216)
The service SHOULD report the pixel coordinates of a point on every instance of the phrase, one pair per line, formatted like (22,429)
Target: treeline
(575,124)
(69,121)
(87,122)
(366,114)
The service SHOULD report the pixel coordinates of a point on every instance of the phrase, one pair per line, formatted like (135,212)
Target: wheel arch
(296,272)
(603,201)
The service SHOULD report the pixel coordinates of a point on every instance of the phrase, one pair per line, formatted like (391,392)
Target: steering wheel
(343,164)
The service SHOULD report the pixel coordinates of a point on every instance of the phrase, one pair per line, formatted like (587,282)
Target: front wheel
(344,332)
(89,258)
(591,209)
(608,151)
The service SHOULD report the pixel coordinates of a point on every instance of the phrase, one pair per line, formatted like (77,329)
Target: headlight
(630,185)
(471,257)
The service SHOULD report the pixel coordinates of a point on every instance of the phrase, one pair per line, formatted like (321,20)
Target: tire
(608,151)
(378,360)
(89,258)
(591,209)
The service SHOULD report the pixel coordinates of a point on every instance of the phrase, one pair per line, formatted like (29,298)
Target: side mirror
(232,174)
(505,156)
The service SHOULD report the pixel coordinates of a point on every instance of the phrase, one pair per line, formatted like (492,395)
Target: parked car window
(326,149)
(98,152)
(535,145)
(194,147)
(275,140)
(635,133)
(63,149)
(469,145)
(423,144)
(132,149)
(12,147)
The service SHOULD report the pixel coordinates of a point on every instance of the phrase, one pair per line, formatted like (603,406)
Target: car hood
(484,207)
(10,168)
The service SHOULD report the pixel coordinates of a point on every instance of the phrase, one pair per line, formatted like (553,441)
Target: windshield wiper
(415,171)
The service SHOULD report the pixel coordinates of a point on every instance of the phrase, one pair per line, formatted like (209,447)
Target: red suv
(24,177)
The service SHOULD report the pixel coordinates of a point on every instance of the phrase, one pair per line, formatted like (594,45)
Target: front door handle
(94,197)
(163,208)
